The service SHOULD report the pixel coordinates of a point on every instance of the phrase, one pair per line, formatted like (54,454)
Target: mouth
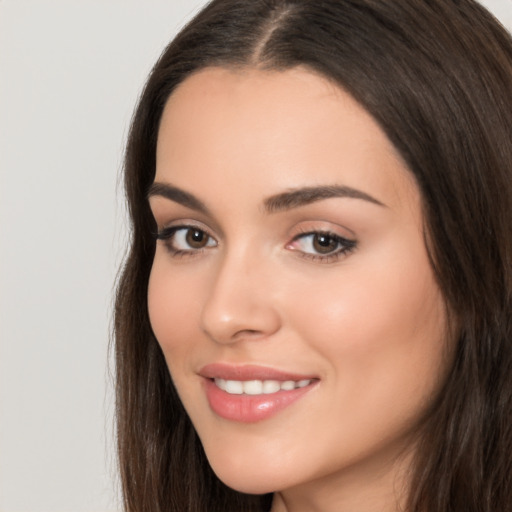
(249,393)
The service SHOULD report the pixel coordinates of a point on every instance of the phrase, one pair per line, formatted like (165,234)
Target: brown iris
(324,243)
(196,238)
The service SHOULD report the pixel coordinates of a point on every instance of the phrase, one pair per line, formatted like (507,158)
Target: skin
(369,323)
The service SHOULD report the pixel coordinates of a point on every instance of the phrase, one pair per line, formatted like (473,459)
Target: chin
(249,478)
(249,483)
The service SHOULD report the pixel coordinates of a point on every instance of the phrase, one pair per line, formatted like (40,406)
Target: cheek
(385,290)
(172,303)
(378,322)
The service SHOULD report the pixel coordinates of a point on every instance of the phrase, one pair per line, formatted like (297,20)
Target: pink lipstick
(251,393)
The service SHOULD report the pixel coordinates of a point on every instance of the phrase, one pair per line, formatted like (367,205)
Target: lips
(251,393)
(249,372)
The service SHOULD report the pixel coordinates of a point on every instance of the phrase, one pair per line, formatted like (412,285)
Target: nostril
(249,334)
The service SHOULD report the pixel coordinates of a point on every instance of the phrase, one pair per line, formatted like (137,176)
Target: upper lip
(246,372)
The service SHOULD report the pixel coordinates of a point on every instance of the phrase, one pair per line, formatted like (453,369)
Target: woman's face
(291,291)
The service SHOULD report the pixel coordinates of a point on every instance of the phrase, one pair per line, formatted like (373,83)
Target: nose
(239,304)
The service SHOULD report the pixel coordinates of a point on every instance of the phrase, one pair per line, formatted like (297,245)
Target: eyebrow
(306,195)
(276,203)
(178,196)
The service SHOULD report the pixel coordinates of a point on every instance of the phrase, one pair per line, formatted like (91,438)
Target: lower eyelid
(346,246)
(326,258)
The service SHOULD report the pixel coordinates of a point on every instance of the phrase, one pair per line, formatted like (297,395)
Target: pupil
(324,243)
(196,238)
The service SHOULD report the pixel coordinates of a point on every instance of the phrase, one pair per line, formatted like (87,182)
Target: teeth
(234,387)
(259,387)
(288,385)
(253,387)
(270,386)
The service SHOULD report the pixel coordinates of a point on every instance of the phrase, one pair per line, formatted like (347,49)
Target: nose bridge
(239,303)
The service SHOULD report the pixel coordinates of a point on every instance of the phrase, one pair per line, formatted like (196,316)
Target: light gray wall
(70,72)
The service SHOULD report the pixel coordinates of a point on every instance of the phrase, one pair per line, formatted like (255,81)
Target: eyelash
(167,235)
(343,245)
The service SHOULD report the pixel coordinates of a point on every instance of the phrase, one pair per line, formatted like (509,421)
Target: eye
(185,239)
(321,245)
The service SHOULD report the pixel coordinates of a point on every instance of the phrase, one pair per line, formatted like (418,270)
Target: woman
(315,312)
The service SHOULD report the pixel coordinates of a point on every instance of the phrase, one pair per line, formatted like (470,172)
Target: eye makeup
(321,246)
(185,240)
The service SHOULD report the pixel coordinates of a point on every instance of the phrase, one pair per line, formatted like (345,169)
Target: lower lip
(250,408)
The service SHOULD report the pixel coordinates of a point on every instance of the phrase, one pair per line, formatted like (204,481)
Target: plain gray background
(70,73)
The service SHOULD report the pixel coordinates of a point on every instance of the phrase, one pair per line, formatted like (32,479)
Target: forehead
(280,128)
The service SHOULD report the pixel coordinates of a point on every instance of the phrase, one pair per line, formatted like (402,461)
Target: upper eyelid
(348,242)
(169,218)
(300,231)
(184,224)
(171,230)
(210,220)
(323,226)
(329,232)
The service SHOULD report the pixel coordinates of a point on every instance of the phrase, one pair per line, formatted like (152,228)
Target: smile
(252,393)
(259,387)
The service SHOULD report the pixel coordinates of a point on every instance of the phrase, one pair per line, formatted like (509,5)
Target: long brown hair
(437,76)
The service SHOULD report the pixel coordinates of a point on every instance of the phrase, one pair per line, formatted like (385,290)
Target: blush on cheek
(361,314)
